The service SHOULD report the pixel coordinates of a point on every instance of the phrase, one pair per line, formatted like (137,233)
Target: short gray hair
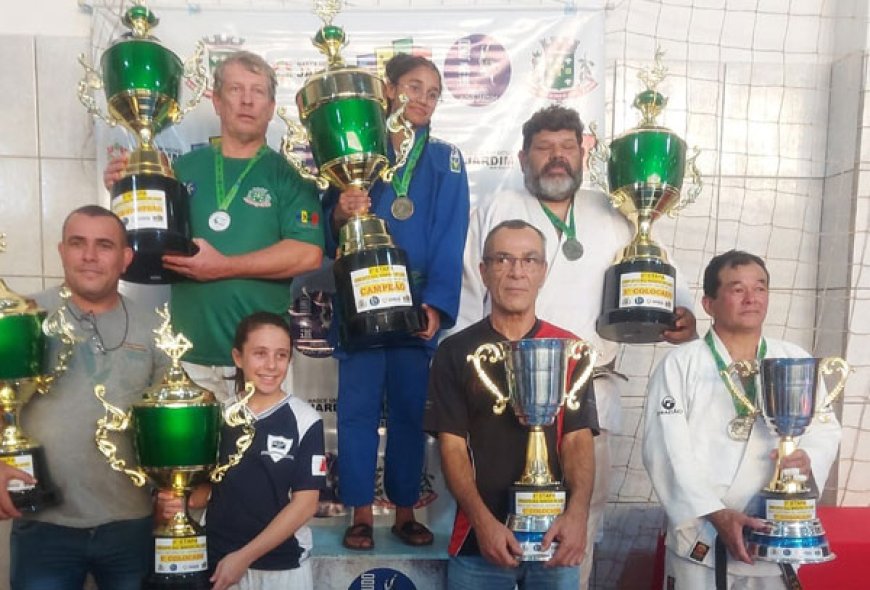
(512,224)
(251,62)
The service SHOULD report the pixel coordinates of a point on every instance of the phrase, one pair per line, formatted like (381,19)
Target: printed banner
(498,67)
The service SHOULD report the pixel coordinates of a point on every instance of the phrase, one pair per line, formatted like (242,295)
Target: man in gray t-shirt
(103,524)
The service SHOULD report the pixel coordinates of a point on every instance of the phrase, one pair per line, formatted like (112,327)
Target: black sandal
(413,533)
(359,537)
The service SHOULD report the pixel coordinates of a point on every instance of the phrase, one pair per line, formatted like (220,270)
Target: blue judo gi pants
(365,378)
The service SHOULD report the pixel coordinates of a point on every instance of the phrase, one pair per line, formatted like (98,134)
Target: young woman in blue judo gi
(433,237)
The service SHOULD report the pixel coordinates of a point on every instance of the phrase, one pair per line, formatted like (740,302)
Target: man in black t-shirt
(482,454)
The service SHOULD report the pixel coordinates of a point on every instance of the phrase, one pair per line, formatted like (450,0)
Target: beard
(553,188)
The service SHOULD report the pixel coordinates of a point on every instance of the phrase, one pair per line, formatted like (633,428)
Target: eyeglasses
(503,262)
(415,91)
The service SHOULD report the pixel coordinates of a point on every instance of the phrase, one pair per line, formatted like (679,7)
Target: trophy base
(180,562)
(376,306)
(793,534)
(638,302)
(156,213)
(192,581)
(790,542)
(533,509)
(39,496)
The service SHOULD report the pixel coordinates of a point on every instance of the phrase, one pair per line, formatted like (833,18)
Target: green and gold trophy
(344,112)
(24,334)
(142,80)
(541,377)
(176,432)
(645,169)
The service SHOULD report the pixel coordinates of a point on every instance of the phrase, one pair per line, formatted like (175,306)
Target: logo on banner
(498,160)
(477,70)
(377,61)
(558,72)
(218,47)
(382,578)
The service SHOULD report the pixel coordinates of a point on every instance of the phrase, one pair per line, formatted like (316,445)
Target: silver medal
(219,220)
(572,249)
(741,427)
(402,208)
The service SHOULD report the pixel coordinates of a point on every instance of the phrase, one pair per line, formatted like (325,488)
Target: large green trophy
(142,83)
(24,333)
(344,110)
(645,169)
(176,432)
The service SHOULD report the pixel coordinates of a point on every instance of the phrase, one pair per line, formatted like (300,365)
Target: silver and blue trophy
(789,401)
(537,372)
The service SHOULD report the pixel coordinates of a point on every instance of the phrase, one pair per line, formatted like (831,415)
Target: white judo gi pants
(684,574)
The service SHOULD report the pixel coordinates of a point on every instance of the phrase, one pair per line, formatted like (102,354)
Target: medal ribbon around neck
(572,247)
(402,181)
(224,198)
(751,392)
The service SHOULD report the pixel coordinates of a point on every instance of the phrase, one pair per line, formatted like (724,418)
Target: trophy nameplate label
(380,287)
(180,554)
(141,209)
(790,510)
(534,503)
(24,463)
(646,289)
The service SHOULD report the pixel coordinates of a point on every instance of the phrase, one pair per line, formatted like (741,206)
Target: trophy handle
(397,123)
(58,326)
(598,157)
(297,135)
(92,80)
(688,197)
(577,351)
(741,369)
(830,365)
(115,420)
(195,71)
(237,415)
(490,353)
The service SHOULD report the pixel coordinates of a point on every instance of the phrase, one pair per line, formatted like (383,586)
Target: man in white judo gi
(583,233)
(704,472)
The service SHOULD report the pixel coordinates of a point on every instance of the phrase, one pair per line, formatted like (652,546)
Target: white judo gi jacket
(691,459)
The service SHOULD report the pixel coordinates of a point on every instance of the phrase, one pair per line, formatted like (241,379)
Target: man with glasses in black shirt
(482,454)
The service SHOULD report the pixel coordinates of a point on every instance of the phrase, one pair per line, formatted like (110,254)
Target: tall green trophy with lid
(142,82)
(344,113)
(645,167)
(25,330)
(176,434)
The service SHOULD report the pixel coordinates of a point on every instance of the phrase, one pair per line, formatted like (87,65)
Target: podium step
(391,564)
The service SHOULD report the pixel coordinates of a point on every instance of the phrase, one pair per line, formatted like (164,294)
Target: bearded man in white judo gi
(583,233)
(704,472)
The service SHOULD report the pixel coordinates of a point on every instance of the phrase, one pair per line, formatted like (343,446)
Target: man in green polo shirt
(256,222)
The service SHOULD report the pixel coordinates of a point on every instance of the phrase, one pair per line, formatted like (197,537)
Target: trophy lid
(337,80)
(13,304)
(650,102)
(140,20)
(176,387)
